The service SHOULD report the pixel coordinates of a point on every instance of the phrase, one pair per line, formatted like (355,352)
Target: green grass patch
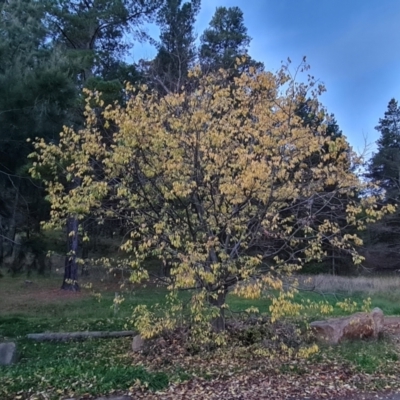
(20,326)
(238,304)
(388,302)
(366,356)
(100,366)
(75,368)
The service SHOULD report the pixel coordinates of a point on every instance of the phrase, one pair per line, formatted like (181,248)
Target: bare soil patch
(23,294)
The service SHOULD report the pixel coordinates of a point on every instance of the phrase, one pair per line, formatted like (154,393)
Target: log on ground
(64,336)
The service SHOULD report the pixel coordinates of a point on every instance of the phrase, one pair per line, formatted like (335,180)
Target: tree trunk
(13,222)
(218,323)
(1,242)
(17,256)
(41,263)
(85,256)
(70,281)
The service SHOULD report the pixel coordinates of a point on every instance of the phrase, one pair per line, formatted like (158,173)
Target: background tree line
(51,50)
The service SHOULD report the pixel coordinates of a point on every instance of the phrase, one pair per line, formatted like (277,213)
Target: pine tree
(35,87)
(225,40)
(385,163)
(382,244)
(36,91)
(50,50)
(177,51)
(91,34)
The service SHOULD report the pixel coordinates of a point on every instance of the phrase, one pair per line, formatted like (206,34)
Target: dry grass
(21,295)
(324,283)
(37,294)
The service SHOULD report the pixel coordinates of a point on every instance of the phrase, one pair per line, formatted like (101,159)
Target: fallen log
(64,336)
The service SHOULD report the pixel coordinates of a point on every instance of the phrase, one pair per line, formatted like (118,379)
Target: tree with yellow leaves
(215,182)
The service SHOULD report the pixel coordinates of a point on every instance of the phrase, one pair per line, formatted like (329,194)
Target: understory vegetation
(104,366)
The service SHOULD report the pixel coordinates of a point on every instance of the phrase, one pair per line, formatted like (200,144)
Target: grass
(75,368)
(101,366)
(384,291)
(44,298)
(368,285)
(40,306)
(381,356)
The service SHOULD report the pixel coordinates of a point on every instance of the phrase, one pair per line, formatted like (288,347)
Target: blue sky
(353,47)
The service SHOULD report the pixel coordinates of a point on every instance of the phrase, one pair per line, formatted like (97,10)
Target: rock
(8,353)
(115,398)
(356,326)
(124,397)
(379,320)
(55,263)
(137,343)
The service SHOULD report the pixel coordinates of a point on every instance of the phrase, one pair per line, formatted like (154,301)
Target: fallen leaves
(237,373)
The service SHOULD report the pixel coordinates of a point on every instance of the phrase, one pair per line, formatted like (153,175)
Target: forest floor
(85,370)
(328,376)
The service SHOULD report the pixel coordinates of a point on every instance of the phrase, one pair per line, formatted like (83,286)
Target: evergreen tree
(93,31)
(385,163)
(36,91)
(225,40)
(382,244)
(91,34)
(50,50)
(35,86)
(313,115)
(176,50)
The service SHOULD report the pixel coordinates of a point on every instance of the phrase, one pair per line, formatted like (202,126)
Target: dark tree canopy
(35,83)
(51,50)
(176,50)
(385,163)
(224,40)
(93,30)
(382,244)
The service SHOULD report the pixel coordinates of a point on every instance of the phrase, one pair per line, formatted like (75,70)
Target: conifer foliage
(385,163)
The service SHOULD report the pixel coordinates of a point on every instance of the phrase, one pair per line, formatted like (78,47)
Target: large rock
(8,353)
(356,326)
(137,343)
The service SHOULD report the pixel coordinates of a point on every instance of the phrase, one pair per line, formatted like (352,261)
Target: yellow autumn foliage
(225,183)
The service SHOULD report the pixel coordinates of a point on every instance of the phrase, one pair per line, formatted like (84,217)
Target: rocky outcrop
(8,353)
(356,326)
